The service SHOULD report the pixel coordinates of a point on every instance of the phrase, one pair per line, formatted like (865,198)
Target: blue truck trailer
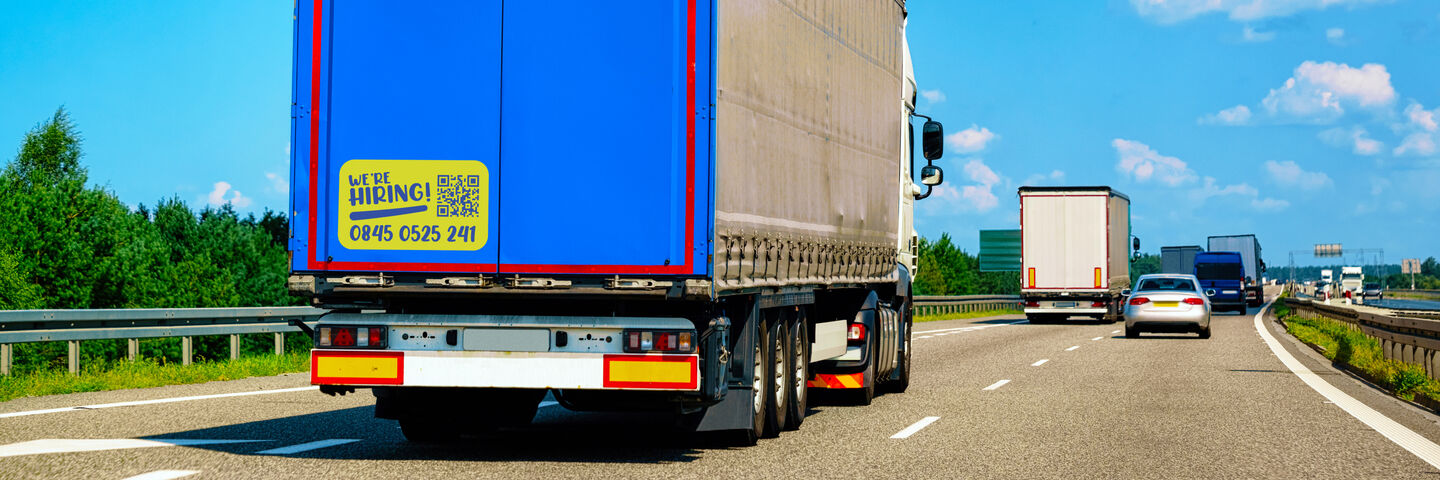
(701,207)
(1223,272)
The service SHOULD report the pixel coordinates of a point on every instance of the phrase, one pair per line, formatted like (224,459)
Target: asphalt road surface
(991,398)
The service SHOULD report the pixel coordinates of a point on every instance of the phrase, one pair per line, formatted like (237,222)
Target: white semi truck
(1074,252)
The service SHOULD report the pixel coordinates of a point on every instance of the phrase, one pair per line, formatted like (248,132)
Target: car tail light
(1032,304)
(1097,305)
(1139,300)
(1194,301)
(856,333)
(350,337)
(647,341)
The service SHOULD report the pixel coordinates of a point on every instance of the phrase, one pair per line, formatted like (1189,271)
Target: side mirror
(932,175)
(933,141)
(1125,292)
(1136,244)
(1210,293)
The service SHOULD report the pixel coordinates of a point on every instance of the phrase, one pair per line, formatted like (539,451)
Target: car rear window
(1219,271)
(1167,284)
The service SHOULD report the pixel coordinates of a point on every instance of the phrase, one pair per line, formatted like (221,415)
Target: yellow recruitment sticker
(414,204)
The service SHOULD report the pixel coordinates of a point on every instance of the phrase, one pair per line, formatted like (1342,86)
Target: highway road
(992,397)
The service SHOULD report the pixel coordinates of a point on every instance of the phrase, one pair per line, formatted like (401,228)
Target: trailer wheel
(777,378)
(800,368)
(902,375)
(760,399)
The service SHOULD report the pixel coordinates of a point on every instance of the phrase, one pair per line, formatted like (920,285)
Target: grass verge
(1347,346)
(964,315)
(147,373)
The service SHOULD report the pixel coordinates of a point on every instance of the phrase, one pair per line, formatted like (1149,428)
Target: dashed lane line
(1390,429)
(149,402)
(308,446)
(61,445)
(915,427)
(1071,349)
(1039,363)
(996,385)
(1114,331)
(1096,338)
(972,327)
(164,475)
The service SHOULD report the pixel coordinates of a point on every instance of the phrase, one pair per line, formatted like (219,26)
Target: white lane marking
(910,430)
(1114,331)
(1402,436)
(1096,338)
(926,336)
(974,327)
(996,385)
(158,400)
(1039,363)
(308,446)
(60,445)
(547,404)
(164,475)
(1072,348)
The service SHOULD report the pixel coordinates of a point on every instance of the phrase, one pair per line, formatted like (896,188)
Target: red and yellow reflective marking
(848,380)
(357,368)
(660,372)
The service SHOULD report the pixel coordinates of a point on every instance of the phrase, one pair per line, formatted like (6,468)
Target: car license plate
(1167,304)
(1065,304)
(1229,292)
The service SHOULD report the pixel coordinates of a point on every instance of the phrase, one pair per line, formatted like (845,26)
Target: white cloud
(1422,118)
(1249,35)
(970,140)
(278,183)
(1289,173)
(1139,161)
(1268,204)
(1420,144)
(1056,177)
(1173,11)
(1335,35)
(932,96)
(1237,115)
(1354,138)
(980,195)
(223,194)
(1320,92)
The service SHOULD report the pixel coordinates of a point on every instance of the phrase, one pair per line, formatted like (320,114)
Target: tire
(800,371)
(427,430)
(1132,332)
(1205,333)
(902,377)
(758,361)
(777,376)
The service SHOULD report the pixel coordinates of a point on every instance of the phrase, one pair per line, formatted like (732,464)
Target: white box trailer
(1074,252)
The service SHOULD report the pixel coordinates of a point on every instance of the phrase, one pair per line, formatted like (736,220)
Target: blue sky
(1281,118)
(1303,121)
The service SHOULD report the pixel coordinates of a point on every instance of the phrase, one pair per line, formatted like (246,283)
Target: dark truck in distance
(1224,273)
(1249,249)
(1178,259)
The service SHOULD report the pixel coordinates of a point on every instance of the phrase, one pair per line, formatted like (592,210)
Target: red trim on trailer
(683,267)
(315,379)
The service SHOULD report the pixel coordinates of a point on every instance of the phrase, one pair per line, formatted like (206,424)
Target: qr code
(459,195)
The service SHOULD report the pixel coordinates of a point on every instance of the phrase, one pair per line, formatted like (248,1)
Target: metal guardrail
(1408,339)
(74,326)
(937,304)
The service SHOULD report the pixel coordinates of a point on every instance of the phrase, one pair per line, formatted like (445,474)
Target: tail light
(1032,304)
(1097,305)
(647,341)
(350,337)
(1194,301)
(856,333)
(1139,300)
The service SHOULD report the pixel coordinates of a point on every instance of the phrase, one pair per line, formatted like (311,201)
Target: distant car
(1373,290)
(1167,303)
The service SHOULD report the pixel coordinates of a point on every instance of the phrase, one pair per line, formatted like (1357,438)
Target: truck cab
(1224,273)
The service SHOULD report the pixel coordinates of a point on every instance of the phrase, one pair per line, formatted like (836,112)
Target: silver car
(1167,303)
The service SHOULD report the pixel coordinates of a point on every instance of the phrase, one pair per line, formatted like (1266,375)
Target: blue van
(1223,272)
